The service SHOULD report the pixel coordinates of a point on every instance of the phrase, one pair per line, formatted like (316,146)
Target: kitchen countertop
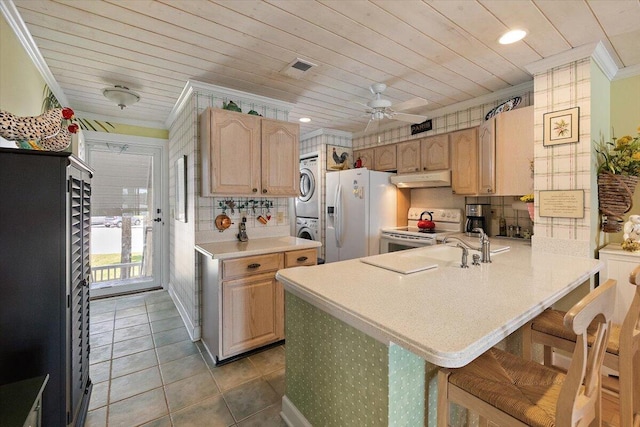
(235,248)
(446,315)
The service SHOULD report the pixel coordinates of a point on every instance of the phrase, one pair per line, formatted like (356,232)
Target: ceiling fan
(380,108)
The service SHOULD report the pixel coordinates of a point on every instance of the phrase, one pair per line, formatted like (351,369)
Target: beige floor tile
(102,306)
(133,311)
(171,336)
(136,383)
(101,327)
(99,372)
(97,418)
(167,324)
(102,317)
(133,362)
(269,360)
(182,368)
(165,305)
(138,409)
(160,422)
(130,301)
(269,417)
(131,332)
(100,353)
(234,374)
(277,381)
(127,322)
(157,297)
(212,412)
(163,314)
(136,345)
(99,395)
(104,338)
(188,391)
(175,351)
(249,398)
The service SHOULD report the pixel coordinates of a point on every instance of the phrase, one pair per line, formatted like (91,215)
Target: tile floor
(147,372)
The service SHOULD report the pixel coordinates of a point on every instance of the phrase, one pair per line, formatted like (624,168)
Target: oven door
(393,244)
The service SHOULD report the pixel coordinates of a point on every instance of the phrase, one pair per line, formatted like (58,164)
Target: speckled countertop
(235,248)
(447,315)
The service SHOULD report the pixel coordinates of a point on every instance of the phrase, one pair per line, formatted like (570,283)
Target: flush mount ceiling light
(512,36)
(304,119)
(121,95)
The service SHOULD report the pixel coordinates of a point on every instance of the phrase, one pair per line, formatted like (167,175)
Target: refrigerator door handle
(338,216)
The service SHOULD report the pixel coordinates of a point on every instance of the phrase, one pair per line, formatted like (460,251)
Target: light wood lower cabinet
(243,303)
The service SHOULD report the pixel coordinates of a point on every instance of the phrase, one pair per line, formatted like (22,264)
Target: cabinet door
(487,151)
(230,153)
(464,167)
(514,152)
(409,156)
(385,158)
(248,313)
(366,157)
(280,158)
(434,151)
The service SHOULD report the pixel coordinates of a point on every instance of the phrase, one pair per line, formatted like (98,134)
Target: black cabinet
(45,226)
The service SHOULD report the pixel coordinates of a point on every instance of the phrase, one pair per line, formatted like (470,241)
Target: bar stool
(511,391)
(622,353)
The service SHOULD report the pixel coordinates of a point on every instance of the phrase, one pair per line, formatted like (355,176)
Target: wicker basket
(615,198)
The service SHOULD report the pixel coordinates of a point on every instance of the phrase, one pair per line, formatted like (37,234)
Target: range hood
(440,178)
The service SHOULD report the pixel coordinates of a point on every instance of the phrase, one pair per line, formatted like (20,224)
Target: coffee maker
(478,216)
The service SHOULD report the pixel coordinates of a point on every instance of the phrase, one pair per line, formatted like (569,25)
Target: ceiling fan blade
(410,104)
(372,125)
(411,118)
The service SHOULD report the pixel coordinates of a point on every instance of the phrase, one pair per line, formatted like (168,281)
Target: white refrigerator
(359,203)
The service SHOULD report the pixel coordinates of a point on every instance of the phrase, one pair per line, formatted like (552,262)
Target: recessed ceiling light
(305,119)
(512,36)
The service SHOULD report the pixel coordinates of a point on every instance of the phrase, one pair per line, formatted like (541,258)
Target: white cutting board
(404,265)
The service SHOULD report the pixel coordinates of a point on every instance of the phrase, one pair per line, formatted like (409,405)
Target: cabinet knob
(255,190)
(264,190)
(302,258)
(253,266)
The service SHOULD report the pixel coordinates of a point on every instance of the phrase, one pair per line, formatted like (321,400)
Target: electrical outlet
(280,217)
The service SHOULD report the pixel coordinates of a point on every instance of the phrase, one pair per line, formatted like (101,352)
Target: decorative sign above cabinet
(421,127)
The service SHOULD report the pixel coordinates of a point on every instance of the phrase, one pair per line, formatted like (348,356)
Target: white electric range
(448,221)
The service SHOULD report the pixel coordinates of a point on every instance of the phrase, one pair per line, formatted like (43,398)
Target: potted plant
(618,171)
(528,199)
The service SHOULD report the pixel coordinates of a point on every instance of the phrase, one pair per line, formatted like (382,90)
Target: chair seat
(551,322)
(523,389)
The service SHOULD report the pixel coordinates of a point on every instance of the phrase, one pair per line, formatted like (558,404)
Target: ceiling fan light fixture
(121,95)
(512,36)
(304,119)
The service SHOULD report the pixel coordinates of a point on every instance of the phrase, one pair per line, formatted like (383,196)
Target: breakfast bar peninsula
(364,341)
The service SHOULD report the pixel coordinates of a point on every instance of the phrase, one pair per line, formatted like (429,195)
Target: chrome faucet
(485,245)
(462,245)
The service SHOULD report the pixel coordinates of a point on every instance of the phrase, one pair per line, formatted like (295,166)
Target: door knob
(158,219)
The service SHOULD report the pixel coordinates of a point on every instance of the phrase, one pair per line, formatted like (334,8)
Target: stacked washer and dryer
(308,202)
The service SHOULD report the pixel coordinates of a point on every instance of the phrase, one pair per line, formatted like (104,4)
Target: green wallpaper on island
(335,374)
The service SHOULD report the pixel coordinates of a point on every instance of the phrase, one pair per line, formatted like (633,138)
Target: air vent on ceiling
(297,68)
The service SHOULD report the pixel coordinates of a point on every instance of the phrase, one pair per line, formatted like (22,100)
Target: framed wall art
(561,127)
(339,158)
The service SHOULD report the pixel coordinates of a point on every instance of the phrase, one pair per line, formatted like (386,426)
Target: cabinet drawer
(301,257)
(241,267)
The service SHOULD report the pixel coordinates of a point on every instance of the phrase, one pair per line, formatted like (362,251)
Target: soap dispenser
(242,235)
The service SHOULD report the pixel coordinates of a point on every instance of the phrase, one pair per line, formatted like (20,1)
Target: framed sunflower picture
(562,127)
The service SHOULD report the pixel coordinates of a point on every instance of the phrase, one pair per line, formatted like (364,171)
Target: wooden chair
(511,391)
(622,354)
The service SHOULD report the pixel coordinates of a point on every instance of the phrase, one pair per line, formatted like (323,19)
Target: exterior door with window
(126,218)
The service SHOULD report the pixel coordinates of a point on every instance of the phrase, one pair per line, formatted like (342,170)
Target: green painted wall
(21,84)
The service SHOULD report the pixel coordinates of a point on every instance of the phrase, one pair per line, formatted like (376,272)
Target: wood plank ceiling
(443,50)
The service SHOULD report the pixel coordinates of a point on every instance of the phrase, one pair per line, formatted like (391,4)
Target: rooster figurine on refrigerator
(49,131)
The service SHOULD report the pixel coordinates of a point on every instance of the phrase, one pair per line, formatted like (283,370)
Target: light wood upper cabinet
(409,156)
(245,154)
(514,152)
(385,158)
(487,159)
(280,150)
(366,157)
(464,167)
(434,152)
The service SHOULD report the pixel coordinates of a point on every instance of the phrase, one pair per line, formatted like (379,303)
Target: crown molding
(627,72)
(121,120)
(18,26)
(193,86)
(597,51)
(328,132)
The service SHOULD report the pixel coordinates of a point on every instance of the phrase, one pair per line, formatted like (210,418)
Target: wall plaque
(421,127)
(561,203)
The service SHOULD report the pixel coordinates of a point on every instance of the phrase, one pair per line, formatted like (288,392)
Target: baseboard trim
(193,330)
(291,415)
